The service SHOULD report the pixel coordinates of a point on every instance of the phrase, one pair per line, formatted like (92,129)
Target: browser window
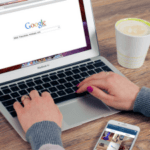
(37,32)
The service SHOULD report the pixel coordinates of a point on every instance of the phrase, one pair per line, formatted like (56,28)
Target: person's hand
(121,93)
(36,109)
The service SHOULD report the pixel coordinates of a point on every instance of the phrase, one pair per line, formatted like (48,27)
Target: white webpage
(39,32)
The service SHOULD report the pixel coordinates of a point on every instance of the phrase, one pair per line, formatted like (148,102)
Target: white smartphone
(117,136)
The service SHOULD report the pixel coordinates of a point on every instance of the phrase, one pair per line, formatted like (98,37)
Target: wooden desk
(84,137)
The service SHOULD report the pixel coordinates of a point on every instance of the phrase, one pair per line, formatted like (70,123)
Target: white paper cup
(131,50)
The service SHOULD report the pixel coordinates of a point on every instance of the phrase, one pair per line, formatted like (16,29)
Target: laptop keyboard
(60,84)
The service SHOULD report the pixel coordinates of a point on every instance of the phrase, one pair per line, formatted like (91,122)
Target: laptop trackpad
(82,110)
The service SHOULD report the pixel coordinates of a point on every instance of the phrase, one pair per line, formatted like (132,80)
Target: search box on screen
(45,30)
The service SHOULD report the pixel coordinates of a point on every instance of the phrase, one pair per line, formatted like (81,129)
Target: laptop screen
(42,33)
(8,2)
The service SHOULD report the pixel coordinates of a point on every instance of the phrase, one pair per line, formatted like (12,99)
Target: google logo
(33,25)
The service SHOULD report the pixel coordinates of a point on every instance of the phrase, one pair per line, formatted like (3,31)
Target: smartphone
(117,136)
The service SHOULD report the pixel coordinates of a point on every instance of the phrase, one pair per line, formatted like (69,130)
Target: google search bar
(42,31)
(50,29)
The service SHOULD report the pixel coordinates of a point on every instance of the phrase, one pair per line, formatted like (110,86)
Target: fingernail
(77,84)
(23,97)
(89,89)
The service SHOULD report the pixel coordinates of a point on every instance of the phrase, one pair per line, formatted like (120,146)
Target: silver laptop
(50,45)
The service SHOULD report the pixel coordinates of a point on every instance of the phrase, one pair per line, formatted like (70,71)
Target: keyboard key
(22,82)
(90,63)
(68,69)
(13,114)
(75,71)
(82,94)
(105,68)
(52,89)
(30,89)
(90,67)
(46,85)
(37,78)
(60,87)
(14,95)
(61,71)
(30,80)
(54,83)
(6,91)
(54,95)
(84,74)
(75,67)
(12,85)
(38,82)
(54,77)
(23,92)
(1,93)
(61,75)
(10,108)
(52,73)
(64,98)
(62,81)
(68,85)
(19,99)
(61,93)
(46,79)
(97,61)
(81,79)
(4,87)
(22,86)
(69,79)
(100,64)
(4,98)
(39,87)
(14,88)
(44,76)
(98,70)
(83,65)
(83,69)
(68,73)
(91,72)
(75,88)
(75,82)
(77,76)
(7,103)
(45,90)
(69,91)
(68,97)
(30,84)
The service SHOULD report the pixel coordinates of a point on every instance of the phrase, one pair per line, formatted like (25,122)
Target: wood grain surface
(84,137)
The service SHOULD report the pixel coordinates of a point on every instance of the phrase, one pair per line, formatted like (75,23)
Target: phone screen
(116,138)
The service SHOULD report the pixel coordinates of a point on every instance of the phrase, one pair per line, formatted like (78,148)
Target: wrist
(138,89)
(142,102)
(43,133)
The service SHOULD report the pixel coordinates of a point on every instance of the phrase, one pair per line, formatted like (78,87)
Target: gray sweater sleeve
(142,102)
(45,135)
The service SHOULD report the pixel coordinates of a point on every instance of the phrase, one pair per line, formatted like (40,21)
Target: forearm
(45,135)
(142,102)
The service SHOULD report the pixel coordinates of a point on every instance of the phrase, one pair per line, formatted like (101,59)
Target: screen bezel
(121,124)
(93,52)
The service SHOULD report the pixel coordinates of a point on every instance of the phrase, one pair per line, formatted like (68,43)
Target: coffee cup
(132,42)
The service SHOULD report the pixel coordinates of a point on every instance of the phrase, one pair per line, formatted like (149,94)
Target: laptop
(50,45)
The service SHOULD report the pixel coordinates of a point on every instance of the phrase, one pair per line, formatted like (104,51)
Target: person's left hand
(36,109)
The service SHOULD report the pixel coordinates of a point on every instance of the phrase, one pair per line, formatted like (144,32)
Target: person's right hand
(121,92)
